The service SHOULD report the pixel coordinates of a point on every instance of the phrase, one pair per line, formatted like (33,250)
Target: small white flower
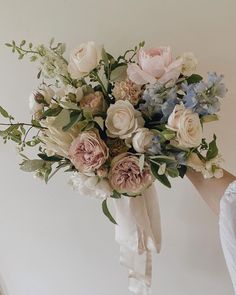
(90,186)
(84,59)
(189,63)
(142,140)
(39,97)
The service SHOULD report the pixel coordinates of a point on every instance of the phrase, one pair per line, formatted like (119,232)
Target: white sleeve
(227,223)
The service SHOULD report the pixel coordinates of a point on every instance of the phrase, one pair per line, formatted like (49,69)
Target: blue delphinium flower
(155,147)
(158,100)
(203,97)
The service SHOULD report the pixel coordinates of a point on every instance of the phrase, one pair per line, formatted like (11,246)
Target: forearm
(211,189)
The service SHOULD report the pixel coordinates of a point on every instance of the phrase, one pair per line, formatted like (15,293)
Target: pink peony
(155,65)
(127,177)
(88,151)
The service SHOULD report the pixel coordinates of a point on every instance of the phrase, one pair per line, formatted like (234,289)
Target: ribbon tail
(139,234)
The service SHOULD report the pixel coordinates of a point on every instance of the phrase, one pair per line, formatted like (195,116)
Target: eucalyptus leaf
(107,212)
(162,178)
(4,113)
(31,165)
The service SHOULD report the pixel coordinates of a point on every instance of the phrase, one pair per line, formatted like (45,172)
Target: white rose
(189,64)
(142,140)
(84,59)
(187,125)
(123,120)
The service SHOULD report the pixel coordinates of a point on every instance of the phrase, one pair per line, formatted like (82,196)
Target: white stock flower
(68,90)
(123,120)
(213,168)
(57,141)
(90,186)
(189,63)
(84,59)
(142,140)
(187,126)
(209,169)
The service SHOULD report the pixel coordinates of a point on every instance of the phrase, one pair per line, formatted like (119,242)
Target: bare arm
(211,189)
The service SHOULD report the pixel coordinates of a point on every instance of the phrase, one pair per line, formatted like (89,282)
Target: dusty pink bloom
(155,65)
(88,151)
(127,177)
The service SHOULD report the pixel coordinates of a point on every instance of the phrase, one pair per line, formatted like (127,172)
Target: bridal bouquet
(118,124)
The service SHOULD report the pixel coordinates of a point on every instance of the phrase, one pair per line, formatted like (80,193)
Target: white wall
(52,242)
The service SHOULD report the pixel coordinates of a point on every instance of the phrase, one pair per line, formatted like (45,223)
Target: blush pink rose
(155,65)
(88,152)
(127,177)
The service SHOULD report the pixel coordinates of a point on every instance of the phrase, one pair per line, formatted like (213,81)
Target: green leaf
(168,134)
(31,165)
(182,170)
(22,43)
(50,159)
(172,172)
(4,113)
(212,149)
(8,44)
(107,212)
(119,73)
(75,117)
(52,112)
(162,178)
(209,118)
(105,58)
(115,195)
(195,78)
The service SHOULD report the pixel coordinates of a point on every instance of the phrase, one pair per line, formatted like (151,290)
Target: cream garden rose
(127,177)
(123,120)
(187,126)
(84,59)
(142,140)
(88,151)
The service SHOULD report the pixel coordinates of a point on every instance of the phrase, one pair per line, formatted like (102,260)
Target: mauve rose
(127,177)
(155,65)
(88,151)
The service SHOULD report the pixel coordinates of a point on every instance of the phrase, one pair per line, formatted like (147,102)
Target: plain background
(52,241)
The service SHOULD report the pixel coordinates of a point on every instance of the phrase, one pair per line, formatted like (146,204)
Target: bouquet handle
(139,234)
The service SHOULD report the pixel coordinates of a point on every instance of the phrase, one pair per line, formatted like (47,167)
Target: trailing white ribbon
(139,234)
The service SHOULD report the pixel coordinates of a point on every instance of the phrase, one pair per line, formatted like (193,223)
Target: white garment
(227,223)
